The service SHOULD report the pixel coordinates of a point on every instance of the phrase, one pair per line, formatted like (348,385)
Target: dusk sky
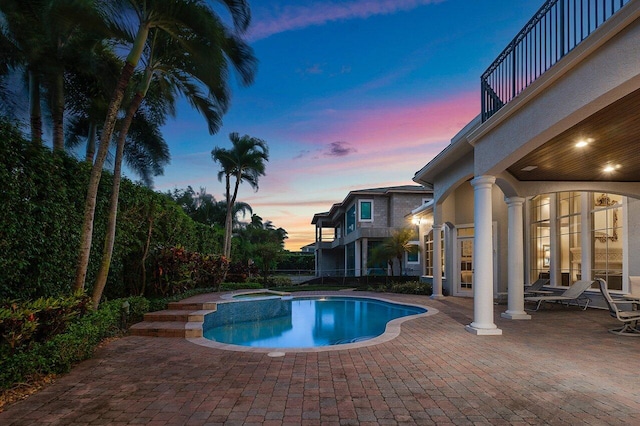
(348,95)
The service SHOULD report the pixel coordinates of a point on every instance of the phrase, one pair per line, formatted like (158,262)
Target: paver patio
(561,367)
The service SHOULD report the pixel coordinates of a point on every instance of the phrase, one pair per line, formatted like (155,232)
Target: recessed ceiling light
(528,168)
(582,144)
(608,169)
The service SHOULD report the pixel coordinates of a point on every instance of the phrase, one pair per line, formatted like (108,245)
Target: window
(428,254)
(351,220)
(607,262)
(540,237)
(569,237)
(414,255)
(351,260)
(365,208)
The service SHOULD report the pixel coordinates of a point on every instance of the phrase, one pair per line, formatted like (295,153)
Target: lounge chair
(536,287)
(573,293)
(629,318)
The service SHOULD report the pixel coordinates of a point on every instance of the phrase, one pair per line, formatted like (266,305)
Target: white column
(483,258)
(437,262)
(515,260)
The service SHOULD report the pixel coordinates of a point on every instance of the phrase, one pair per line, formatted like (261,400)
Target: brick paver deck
(561,367)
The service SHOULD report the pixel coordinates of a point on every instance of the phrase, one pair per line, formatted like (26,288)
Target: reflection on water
(312,322)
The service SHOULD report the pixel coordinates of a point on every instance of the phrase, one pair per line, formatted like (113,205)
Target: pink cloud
(412,123)
(297,17)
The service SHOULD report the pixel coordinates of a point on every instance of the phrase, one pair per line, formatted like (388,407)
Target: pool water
(303,322)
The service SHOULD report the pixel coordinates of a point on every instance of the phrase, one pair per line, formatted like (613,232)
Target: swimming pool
(303,322)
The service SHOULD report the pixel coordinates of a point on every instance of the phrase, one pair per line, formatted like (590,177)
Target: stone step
(177,315)
(167,329)
(192,306)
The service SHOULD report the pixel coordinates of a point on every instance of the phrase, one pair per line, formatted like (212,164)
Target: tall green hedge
(41,208)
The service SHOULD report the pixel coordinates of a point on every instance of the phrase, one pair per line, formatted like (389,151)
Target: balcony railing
(555,30)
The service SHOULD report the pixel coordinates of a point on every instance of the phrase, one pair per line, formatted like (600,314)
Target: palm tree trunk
(110,237)
(35,110)
(57,112)
(145,254)
(96,172)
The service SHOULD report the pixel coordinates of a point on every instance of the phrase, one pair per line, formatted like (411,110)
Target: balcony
(554,31)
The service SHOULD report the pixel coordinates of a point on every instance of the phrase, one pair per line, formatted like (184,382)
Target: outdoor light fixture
(608,169)
(528,168)
(583,142)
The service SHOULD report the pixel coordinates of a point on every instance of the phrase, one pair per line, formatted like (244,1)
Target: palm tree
(199,74)
(245,162)
(47,34)
(393,248)
(185,21)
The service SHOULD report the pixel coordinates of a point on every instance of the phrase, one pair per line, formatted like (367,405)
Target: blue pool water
(302,322)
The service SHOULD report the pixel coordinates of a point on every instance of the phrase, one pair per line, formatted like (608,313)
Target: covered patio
(564,368)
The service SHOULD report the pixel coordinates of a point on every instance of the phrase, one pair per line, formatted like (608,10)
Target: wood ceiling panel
(615,134)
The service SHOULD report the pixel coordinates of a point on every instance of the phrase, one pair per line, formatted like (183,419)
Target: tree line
(108,73)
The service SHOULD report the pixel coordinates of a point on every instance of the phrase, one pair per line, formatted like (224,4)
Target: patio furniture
(629,318)
(573,293)
(536,287)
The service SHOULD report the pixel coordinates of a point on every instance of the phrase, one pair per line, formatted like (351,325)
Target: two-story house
(350,230)
(545,182)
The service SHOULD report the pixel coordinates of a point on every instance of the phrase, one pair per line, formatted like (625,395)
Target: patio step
(167,329)
(192,306)
(177,315)
(180,320)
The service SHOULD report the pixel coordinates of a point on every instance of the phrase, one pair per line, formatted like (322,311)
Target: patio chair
(629,318)
(573,293)
(536,287)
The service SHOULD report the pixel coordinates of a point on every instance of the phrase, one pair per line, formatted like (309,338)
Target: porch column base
(479,331)
(515,315)
(437,296)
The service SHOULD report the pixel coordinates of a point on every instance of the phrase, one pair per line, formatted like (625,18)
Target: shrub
(412,287)
(279,281)
(62,351)
(179,270)
(21,324)
(240,272)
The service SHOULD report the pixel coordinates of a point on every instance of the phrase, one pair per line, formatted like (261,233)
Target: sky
(348,95)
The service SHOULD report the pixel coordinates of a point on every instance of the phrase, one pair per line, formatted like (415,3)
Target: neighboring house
(309,248)
(346,234)
(545,182)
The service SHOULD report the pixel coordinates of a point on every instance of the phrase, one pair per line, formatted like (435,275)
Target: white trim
(406,254)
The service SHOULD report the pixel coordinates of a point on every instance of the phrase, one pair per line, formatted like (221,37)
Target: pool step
(180,320)
(184,306)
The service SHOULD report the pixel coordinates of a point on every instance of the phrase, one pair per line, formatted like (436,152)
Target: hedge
(62,351)
(41,214)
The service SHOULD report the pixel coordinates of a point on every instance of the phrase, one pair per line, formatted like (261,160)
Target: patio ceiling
(613,136)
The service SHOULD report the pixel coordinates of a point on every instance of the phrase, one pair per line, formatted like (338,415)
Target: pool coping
(391,331)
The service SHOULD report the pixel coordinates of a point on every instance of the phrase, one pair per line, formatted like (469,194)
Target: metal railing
(555,30)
